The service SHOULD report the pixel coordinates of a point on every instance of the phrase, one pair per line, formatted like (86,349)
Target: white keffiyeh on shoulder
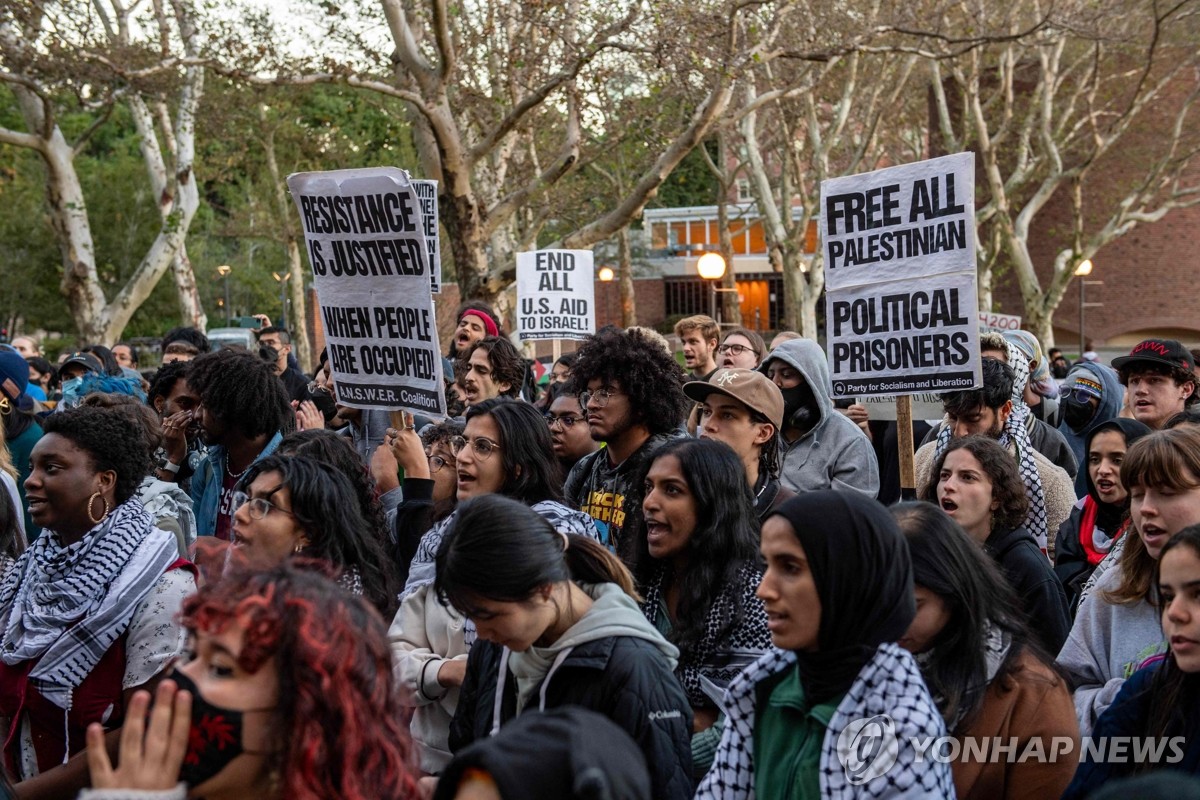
(890,684)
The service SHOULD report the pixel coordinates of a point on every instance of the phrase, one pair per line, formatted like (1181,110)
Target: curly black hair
(166,378)
(189,335)
(647,374)
(113,439)
(243,392)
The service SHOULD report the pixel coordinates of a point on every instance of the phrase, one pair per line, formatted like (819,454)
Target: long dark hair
(724,541)
(947,562)
(1174,692)
(532,473)
(498,549)
(325,504)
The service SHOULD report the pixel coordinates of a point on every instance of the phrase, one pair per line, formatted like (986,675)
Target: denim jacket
(206,485)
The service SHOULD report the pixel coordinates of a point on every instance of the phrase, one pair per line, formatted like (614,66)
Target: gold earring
(103,516)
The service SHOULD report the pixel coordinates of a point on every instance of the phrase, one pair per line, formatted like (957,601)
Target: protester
(568,753)
(336,452)
(43,378)
(696,564)
(1059,366)
(1041,391)
(744,409)
(741,349)
(473,322)
(569,433)
(26,346)
(561,371)
(13,540)
(783,336)
(632,393)
(822,448)
(558,613)
(279,340)
(430,487)
(494,369)
(1090,396)
(838,591)
(699,335)
(1159,702)
(182,450)
(286,694)
(990,412)
(1101,517)
(977,484)
(126,355)
(90,609)
(1160,379)
(169,506)
(21,428)
(989,677)
(505,449)
(183,344)
(242,416)
(289,506)
(1117,629)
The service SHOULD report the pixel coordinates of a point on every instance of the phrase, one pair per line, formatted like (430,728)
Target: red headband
(488,324)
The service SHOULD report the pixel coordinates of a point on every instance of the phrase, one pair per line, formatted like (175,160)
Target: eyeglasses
(437,462)
(483,448)
(259,506)
(735,349)
(566,420)
(1078,394)
(601,396)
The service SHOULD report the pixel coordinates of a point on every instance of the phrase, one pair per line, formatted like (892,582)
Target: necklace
(233,474)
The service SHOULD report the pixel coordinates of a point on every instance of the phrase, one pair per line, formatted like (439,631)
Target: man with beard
(990,412)
(632,394)
(494,368)
(242,415)
(822,448)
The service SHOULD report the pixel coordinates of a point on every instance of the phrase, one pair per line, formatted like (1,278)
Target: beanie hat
(14,375)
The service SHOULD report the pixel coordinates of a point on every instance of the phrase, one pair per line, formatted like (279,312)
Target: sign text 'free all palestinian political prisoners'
(555,294)
(901,308)
(363,230)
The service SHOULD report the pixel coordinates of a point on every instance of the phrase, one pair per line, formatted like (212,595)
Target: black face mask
(1077,415)
(215,737)
(800,408)
(324,402)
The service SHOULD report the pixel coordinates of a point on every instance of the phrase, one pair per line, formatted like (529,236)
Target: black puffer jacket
(1037,588)
(624,678)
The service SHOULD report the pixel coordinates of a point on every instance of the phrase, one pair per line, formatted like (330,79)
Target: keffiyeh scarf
(65,606)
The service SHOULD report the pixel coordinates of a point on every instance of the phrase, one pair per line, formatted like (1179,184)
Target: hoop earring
(107,508)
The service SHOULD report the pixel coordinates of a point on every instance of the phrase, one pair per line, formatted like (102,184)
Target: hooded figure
(570,753)
(1085,382)
(823,449)
(859,563)
(1094,526)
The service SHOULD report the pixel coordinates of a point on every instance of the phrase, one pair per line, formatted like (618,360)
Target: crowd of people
(642,578)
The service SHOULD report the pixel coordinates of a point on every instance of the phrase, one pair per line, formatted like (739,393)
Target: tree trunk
(190,308)
(731,308)
(628,301)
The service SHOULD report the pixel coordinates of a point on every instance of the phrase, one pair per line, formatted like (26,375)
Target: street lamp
(606,275)
(282,279)
(224,271)
(1082,271)
(711,267)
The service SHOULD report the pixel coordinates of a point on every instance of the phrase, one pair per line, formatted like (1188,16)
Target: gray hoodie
(613,613)
(835,453)
(1109,408)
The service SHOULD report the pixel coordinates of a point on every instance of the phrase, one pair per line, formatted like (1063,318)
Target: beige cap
(749,387)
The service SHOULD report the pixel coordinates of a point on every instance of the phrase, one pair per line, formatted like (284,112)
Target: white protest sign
(427,194)
(556,295)
(1000,322)
(883,407)
(363,233)
(899,249)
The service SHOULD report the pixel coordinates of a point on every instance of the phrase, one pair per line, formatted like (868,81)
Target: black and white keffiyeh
(65,606)
(1015,436)
(890,684)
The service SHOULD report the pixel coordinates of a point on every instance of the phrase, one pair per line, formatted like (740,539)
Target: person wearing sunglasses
(569,432)
(504,449)
(1090,396)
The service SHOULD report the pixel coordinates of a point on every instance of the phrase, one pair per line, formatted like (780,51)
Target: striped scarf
(65,606)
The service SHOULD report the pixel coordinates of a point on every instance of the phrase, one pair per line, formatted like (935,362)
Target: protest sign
(883,407)
(363,234)
(899,250)
(1000,322)
(427,193)
(555,294)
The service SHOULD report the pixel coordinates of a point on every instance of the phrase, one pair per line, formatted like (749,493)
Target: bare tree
(50,51)
(1044,111)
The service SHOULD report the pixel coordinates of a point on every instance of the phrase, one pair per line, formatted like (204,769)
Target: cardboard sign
(363,231)
(901,308)
(1000,322)
(427,194)
(556,295)
(924,406)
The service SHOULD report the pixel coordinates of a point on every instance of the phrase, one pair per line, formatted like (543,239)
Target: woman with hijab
(1101,517)
(838,590)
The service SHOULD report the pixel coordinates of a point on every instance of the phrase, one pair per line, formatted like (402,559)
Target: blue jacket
(206,485)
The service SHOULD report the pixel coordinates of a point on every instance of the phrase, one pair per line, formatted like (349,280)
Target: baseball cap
(1167,352)
(14,374)
(749,387)
(85,360)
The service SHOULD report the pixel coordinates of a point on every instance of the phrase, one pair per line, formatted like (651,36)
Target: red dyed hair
(338,730)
